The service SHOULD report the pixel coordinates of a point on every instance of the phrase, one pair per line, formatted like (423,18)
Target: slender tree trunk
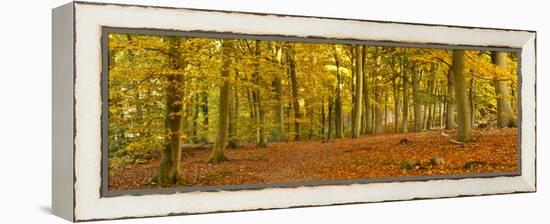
(358,91)
(353,83)
(295,99)
(440,109)
(281,135)
(218,152)
(323,119)
(396,108)
(309,114)
(464,129)
(433,102)
(369,105)
(450,109)
(338,120)
(416,99)
(405,122)
(386,109)
(169,170)
(472,101)
(505,114)
(288,118)
(379,98)
(195,124)
(365,123)
(253,114)
(256,106)
(262,139)
(330,115)
(233,116)
(378,112)
(187,120)
(204,109)
(431,106)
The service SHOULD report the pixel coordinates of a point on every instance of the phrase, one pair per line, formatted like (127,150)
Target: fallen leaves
(423,154)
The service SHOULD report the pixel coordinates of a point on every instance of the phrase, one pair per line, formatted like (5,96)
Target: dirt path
(495,150)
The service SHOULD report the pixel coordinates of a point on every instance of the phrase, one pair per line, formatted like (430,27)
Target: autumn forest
(189,111)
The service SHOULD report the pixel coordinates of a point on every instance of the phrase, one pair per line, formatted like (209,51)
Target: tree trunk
(450,109)
(364,114)
(233,116)
(352,84)
(323,119)
(405,122)
(262,139)
(368,107)
(416,99)
(195,123)
(464,129)
(309,114)
(386,108)
(396,108)
(295,99)
(187,122)
(505,114)
(431,103)
(378,111)
(329,119)
(440,109)
(218,152)
(204,109)
(281,135)
(358,91)
(338,119)
(169,170)
(472,96)
(379,98)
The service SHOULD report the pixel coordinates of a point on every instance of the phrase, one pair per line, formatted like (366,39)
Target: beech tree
(358,91)
(218,152)
(169,169)
(464,129)
(505,115)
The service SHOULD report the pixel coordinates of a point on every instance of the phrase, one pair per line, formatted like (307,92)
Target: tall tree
(358,91)
(279,108)
(218,152)
(294,84)
(262,140)
(169,170)
(505,114)
(464,129)
(416,98)
(472,96)
(396,103)
(405,85)
(378,94)
(338,114)
(233,115)
(329,119)
(450,102)
(366,126)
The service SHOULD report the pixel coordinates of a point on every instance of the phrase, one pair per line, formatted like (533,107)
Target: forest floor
(370,156)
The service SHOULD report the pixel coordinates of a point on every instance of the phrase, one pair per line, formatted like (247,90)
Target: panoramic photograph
(191,111)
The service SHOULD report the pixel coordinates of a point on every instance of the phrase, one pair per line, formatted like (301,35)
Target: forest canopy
(170,93)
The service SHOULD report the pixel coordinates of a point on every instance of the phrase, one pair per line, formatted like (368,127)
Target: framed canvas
(169,111)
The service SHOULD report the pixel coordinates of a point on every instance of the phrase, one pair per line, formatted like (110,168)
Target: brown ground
(494,150)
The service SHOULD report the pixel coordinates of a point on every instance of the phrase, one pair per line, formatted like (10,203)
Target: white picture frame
(77,110)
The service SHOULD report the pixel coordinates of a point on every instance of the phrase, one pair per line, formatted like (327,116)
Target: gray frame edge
(63,111)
